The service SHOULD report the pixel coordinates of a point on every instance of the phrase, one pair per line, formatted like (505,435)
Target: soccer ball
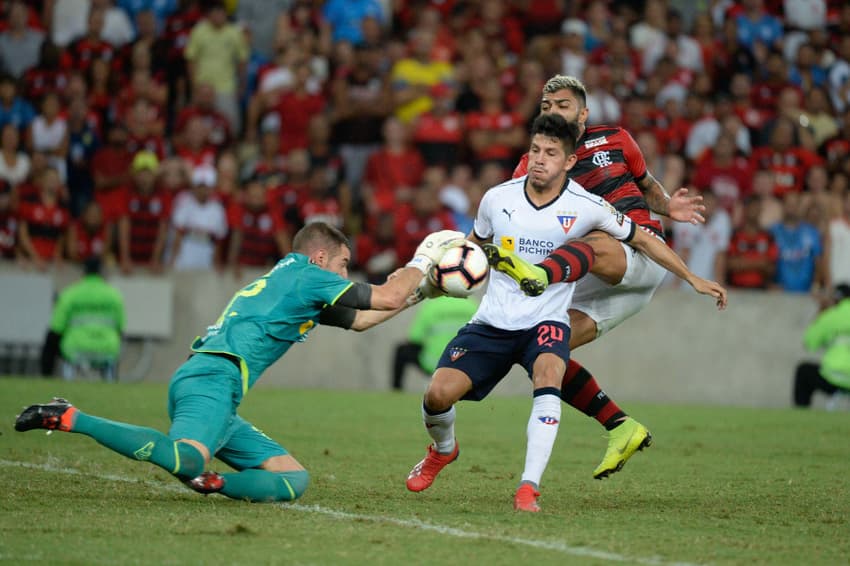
(461,271)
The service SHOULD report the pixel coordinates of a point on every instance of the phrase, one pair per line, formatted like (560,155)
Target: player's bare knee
(199,447)
(446,389)
(282,463)
(548,371)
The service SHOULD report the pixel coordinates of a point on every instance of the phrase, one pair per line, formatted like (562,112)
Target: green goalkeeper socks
(262,485)
(142,443)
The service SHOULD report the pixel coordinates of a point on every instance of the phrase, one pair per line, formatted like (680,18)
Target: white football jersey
(508,217)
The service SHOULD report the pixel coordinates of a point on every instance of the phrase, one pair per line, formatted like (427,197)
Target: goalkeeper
(258,326)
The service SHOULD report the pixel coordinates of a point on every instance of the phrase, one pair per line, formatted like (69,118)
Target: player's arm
(393,294)
(680,207)
(353,319)
(661,254)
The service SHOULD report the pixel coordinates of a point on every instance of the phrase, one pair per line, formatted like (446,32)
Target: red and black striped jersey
(609,165)
(146,214)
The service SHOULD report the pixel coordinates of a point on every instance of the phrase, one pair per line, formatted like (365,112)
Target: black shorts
(486,354)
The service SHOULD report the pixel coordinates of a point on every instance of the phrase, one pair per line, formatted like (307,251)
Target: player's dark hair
(555,126)
(92,265)
(316,235)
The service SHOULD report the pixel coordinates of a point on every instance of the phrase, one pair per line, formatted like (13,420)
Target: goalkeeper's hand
(427,289)
(432,248)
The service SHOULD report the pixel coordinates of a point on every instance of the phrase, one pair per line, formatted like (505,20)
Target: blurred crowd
(181,134)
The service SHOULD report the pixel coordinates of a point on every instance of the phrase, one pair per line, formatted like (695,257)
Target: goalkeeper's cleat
(425,472)
(525,498)
(531,278)
(623,442)
(57,415)
(206,483)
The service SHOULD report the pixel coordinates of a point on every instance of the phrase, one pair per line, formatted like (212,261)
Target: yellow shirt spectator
(216,53)
(414,73)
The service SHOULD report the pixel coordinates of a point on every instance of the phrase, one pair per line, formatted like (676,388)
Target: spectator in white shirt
(703,246)
(200,225)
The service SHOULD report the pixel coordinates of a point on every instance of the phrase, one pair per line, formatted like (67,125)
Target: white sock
(542,431)
(442,429)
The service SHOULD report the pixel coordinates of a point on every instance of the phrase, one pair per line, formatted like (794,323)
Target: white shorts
(609,305)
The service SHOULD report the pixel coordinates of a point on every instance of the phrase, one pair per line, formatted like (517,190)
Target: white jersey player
(532,216)
(507,216)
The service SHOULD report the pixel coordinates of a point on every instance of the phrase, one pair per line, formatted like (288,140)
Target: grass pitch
(719,486)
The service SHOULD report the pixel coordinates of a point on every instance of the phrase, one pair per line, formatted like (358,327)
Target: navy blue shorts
(486,354)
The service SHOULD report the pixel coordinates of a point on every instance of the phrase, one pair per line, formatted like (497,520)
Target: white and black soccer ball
(462,270)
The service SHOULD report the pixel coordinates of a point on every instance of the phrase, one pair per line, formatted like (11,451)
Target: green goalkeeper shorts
(202,400)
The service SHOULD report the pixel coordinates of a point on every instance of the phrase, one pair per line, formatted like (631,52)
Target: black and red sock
(580,390)
(568,262)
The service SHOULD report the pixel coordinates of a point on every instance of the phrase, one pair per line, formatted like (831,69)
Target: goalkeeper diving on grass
(260,323)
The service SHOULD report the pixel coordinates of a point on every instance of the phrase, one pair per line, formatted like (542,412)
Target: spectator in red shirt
(295,109)
(425,214)
(286,196)
(725,172)
(111,172)
(773,78)
(90,47)
(438,133)
(217,127)
(194,148)
(145,127)
(788,161)
(269,165)
(89,235)
(48,75)
(320,203)
(102,85)
(751,258)
(494,133)
(375,250)
(44,224)
(143,85)
(391,172)
(143,225)
(499,26)
(259,235)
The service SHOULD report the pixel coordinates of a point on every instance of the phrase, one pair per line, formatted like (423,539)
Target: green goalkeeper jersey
(265,318)
(90,317)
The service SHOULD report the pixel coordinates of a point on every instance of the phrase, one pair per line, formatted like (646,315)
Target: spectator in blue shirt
(161,9)
(800,248)
(14,109)
(346,16)
(755,25)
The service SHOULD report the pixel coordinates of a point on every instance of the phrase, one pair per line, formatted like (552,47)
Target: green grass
(719,485)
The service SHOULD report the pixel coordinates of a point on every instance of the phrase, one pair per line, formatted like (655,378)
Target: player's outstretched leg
(254,485)
(136,442)
(441,453)
(623,441)
(566,263)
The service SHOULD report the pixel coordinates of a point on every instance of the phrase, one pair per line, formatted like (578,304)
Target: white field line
(556,546)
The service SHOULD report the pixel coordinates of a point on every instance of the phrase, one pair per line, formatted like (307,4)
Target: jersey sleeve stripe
(341,293)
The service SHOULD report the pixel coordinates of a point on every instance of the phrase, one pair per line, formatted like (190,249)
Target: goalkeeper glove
(432,248)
